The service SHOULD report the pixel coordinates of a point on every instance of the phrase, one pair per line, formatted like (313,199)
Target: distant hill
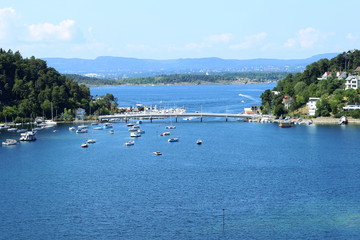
(119,67)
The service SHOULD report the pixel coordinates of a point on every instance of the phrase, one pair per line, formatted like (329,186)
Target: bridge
(157,115)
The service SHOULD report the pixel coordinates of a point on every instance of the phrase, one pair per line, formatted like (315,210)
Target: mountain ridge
(118,67)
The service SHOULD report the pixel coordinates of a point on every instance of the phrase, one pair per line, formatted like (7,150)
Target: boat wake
(246,96)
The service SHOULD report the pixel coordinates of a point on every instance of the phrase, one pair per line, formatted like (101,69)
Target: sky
(172,29)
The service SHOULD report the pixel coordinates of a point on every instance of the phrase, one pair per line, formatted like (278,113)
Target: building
(311,104)
(357,70)
(352,82)
(352,106)
(80,112)
(287,100)
(325,76)
(341,75)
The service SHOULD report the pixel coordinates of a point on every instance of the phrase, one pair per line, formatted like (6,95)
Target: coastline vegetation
(300,87)
(218,78)
(28,88)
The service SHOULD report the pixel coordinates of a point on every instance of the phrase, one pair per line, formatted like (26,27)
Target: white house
(311,104)
(325,76)
(80,112)
(352,82)
(352,106)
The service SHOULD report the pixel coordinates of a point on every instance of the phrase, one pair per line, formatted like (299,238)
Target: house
(311,104)
(341,75)
(287,100)
(357,70)
(352,82)
(352,106)
(80,112)
(325,76)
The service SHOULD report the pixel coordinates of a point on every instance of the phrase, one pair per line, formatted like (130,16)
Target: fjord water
(246,181)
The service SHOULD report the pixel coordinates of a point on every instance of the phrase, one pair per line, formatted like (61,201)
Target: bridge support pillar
(126,120)
(150,120)
(175,119)
(200,119)
(226,119)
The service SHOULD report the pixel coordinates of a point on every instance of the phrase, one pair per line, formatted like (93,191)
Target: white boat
(9,142)
(140,131)
(173,139)
(135,134)
(199,142)
(129,143)
(165,134)
(94,123)
(98,128)
(170,127)
(132,129)
(91,141)
(72,129)
(157,153)
(83,130)
(82,127)
(28,136)
(21,130)
(12,129)
(108,125)
(84,145)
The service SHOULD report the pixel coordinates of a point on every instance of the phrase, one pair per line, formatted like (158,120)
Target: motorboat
(72,129)
(129,124)
(140,131)
(82,127)
(129,143)
(84,145)
(9,142)
(157,153)
(108,125)
(94,123)
(286,124)
(170,127)
(135,134)
(12,129)
(83,130)
(173,139)
(91,141)
(112,131)
(133,129)
(199,142)
(98,128)
(165,134)
(28,136)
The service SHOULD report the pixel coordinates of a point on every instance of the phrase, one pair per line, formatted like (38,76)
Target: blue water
(273,183)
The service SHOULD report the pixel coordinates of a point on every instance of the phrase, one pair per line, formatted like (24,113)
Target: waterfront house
(352,106)
(341,75)
(80,112)
(352,82)
(311,104)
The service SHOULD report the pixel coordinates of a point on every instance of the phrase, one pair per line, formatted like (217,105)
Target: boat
(165,134)
(199,142)
(170,127)
(129,143)
(112,131)
(21,130)
(84,145)
(82,127)
(157,153)
(140,131)
(129,124)
(72,129)
(343,121)
(9,142)
(135,134)
(91,141)
(286,124)
(98,128)
(94,123)
(108,125)
(83,130)
(133,129)
(12,129)
(28,136)
(173,139)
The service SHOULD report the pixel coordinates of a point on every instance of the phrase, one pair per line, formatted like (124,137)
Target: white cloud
(64,31)
(7,22)
(307,38)
(250,41)
(220,38)
(351,37)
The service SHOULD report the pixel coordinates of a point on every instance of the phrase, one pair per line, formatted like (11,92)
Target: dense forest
(28,88)
(301,86)
(223,78)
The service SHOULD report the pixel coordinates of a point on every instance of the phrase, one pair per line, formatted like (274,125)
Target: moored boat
(91,141)
(9,142)
(173,139)
(286,124)
(83,130)
(135,134)
(84,145)
(199,142)
(28,136)
(170,127)
(157,153)
(129,143)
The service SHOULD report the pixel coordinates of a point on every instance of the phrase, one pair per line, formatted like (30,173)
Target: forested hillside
(28,88)
(331,91)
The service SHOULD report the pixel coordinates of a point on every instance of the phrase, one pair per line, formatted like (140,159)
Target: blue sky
(170,29)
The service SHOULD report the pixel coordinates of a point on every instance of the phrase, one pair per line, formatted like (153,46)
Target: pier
(162,115)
